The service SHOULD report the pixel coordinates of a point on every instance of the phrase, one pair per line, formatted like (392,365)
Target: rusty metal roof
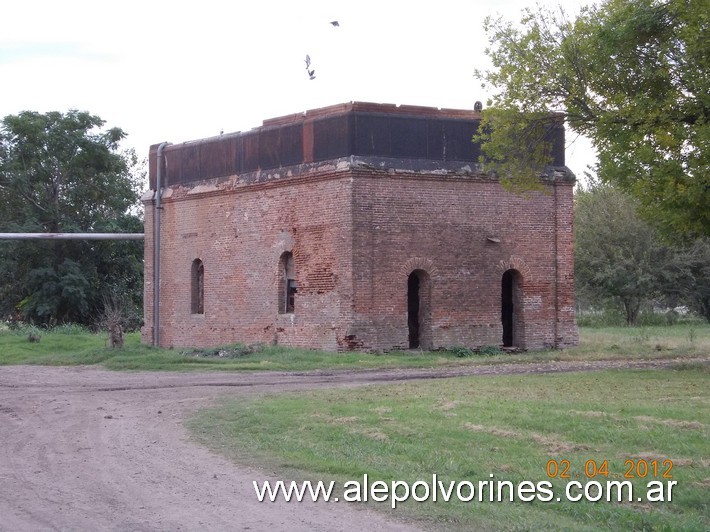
(355,128)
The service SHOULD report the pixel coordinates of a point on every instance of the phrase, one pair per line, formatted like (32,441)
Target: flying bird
(335,23)
(311,72)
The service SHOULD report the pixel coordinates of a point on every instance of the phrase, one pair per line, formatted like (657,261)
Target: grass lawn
(466,429)
(73,346)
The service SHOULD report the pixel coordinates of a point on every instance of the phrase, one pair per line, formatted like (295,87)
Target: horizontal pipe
(72,236)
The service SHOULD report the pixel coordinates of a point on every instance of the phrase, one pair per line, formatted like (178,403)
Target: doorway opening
(511,308)
(419,310)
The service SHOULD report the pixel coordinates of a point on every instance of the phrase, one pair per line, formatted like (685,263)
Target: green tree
(62,173)
(633,76)
(692,283)
(617,257)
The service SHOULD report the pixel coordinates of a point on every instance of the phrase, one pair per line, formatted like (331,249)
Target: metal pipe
(156,244)
(72,236)
(557,266)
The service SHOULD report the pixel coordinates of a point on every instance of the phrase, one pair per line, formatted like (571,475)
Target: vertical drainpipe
(156,244)
(557,263)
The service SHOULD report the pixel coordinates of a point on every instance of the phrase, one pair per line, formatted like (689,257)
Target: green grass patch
(75,346)
(686,339)
(469,428)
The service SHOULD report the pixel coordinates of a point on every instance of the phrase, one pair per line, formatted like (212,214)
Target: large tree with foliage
(63,173)
(633,76)
(621,260)
(692,283)
(618,257)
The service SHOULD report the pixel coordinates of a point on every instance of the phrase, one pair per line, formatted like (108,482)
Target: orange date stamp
(638,468)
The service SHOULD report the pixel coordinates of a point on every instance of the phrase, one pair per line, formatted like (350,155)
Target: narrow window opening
(290,294)
(512,309)
(413,304)
(198,287)
(507,308)
(287,284)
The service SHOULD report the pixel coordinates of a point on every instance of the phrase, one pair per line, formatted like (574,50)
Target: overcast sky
(177,71)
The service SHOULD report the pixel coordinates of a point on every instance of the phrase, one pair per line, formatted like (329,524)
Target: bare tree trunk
(115,335)
(631,308)
(113,319)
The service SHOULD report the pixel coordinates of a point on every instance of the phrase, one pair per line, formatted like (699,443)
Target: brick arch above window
(419,263)
(285,243)
(514,263)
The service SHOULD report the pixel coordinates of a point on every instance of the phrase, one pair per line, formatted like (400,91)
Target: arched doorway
(511,308)
(419,310)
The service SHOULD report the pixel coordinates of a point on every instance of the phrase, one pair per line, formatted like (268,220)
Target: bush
(463,352)
(460,351)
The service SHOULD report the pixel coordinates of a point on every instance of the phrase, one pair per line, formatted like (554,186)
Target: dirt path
(88,449)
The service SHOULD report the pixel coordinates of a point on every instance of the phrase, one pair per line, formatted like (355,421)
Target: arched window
(287,283)
(197,299)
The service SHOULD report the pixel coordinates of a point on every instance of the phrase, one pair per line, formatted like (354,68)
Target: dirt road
(88,449)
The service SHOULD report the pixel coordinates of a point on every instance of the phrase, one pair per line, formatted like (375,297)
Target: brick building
(356,226)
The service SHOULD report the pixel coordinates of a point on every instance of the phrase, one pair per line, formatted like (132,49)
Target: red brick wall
(239,234)
(441,224)
(356,234)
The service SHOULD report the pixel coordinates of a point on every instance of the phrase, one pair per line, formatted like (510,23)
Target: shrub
(463,352)
(460,351)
